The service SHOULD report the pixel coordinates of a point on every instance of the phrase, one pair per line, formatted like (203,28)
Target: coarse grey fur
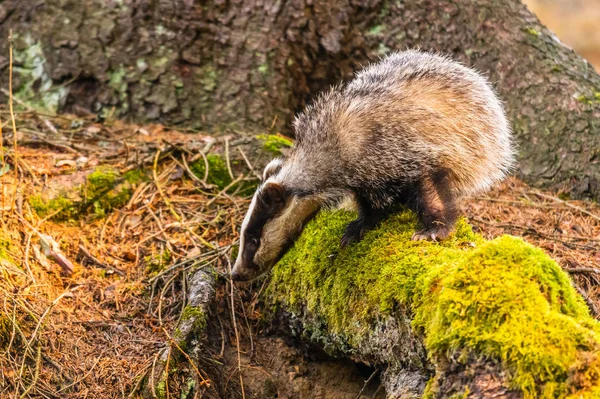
(391,124)
(415,128)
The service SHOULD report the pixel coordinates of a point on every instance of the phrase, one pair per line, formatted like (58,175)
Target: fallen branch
(98,263)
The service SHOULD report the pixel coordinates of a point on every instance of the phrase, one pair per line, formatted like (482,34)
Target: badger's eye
(253,242)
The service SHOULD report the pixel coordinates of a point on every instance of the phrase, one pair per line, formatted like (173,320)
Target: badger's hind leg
(368,218)
(435,207)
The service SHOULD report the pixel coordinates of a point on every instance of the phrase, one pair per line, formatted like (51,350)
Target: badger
(414,129)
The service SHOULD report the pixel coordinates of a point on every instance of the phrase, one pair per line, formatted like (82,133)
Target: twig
(1,146)
(170,205)
(249,164)
(588,301)
(97,262)
(35,332)
(166,372)
(188,358)
(220,193)
(227,158)
(28,109)
(541,235)
(191,174)
(85,375)
(206,168)
(31,173)
(367,383)
(202,153)
(26,257)
(577,208)
(237,336)
(36,374)
(249,329)
(583,270)
(10,107)
(379,388)
(152,372)
(518,203)
(48,309)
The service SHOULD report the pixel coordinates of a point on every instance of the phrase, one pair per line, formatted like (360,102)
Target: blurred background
(575,22)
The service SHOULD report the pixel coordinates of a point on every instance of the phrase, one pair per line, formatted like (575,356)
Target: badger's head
(274,220)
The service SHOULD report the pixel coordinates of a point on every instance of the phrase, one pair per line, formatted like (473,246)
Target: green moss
(105,189)
(62,208)
(385,9)
(103,193)
(565,196)
(135,176)
(263,69)
(157,263)
(101,180)
(588,100)
(376,30)
(274,143)
(533,32)
(196,314)
(234,251)
(6,330)
(502,299)
(217,170)
(117,79)
(161,389)
(208,78)
(188,389)
(6,325)
(4,248)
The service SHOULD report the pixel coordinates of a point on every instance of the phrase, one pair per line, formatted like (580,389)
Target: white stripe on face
(243,228)
(272,168)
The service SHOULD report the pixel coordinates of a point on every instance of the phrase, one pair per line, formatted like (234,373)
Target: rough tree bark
(253,63)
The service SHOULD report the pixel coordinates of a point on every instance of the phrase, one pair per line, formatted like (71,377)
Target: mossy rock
(103,190)
(503,300)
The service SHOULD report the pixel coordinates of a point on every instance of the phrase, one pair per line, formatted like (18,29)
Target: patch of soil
(280,369)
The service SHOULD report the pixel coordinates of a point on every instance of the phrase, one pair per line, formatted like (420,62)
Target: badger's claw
(432,234)
(353,233)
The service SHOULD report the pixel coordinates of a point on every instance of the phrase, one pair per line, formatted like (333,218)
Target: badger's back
(409,114)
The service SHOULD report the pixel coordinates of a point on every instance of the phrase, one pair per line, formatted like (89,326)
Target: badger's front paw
(353,233)
(438,233)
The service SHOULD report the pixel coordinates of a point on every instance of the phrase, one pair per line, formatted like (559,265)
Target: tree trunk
(253,63)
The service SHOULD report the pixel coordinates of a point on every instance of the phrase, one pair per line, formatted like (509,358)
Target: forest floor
(98,225)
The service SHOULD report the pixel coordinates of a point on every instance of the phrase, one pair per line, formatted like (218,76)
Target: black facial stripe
(300,193)
(263,212)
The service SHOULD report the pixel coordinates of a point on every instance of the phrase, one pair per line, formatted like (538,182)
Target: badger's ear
(274,196)
(272,168)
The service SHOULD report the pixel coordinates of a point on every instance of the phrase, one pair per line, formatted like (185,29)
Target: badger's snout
(235,275)
(244,272)
(236,272)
